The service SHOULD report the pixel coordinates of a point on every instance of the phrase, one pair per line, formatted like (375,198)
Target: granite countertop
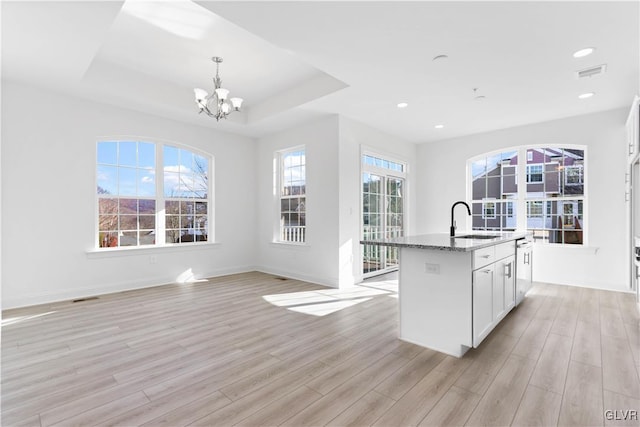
(443,242)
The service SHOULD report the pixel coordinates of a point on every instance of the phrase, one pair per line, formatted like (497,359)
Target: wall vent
(591,71)
(84,299)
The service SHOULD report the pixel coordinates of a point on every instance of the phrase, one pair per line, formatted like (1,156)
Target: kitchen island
(454,290)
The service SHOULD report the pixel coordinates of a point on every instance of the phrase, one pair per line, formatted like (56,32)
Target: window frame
(159,197)
(279,157)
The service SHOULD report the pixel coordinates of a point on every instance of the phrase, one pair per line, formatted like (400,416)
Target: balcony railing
(372,254)
(293,234)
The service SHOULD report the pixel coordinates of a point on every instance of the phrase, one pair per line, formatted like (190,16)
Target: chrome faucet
(452,230)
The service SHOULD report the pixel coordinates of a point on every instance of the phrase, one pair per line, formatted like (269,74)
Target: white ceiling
(292,61)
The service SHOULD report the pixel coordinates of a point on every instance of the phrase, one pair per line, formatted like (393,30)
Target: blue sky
(127,168)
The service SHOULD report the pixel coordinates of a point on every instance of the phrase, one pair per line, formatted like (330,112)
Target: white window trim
(278,162)
(159,198)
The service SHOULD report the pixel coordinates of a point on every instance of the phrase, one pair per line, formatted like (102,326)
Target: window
(534,173)
(573,175)
(488,209)
(185,195)
(552,200)
(509,209)
(494,188)
(292,168)
(130,199)
(568,215)
(369,160)
(562,220)
(534,209)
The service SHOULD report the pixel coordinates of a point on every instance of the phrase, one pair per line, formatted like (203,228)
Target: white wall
(354,136)
(317,259)
(441,180)
(48,200)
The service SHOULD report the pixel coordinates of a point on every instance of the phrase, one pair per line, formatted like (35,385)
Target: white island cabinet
(454,291)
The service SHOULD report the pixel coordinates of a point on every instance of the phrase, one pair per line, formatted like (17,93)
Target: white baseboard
(110,288)
(331,282)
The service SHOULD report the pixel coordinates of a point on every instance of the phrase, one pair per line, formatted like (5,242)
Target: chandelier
(217,104)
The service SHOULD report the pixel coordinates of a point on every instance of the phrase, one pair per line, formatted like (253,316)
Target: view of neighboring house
(554,193)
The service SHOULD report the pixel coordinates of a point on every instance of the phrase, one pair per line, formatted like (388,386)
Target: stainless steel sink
(478,236)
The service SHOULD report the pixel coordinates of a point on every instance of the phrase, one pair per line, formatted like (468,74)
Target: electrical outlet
(431,268)
(153,259)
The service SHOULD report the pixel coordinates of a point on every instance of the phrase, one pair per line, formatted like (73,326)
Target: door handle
(507,270)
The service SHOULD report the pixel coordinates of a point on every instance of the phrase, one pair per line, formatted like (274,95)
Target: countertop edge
(475,244)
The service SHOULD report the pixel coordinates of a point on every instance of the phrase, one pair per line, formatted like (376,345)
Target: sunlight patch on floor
(326,301)
(20,319)
(322,309)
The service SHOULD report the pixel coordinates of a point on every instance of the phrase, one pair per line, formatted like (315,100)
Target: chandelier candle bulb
(201,95)
(222,94)
(236,103)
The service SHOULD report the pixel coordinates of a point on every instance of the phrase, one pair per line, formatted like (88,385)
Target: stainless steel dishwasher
(524,268)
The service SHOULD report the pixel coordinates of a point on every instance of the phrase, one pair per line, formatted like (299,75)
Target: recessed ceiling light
(438,126)
(586,95)
(439,57)
(583,52)
(403,105)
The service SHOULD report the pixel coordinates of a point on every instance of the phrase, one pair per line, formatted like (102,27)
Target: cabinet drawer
(484,256)
(504,250)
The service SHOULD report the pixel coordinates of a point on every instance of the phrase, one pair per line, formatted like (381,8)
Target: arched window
(544,194)
(151,194)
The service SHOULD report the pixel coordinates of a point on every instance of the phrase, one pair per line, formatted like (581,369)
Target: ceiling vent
(591,71)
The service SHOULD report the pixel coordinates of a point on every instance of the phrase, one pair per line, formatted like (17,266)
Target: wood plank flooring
(253,349)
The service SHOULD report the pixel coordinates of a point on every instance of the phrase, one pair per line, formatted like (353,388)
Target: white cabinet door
(498,289)
(509,268)
(633,129)
(504,293)
(482,303)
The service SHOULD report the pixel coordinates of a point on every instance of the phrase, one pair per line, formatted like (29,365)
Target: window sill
(292,245)
(142,250)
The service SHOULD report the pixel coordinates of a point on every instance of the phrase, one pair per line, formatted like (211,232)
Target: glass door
(382,217)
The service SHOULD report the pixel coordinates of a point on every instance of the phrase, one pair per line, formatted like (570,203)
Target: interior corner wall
(48,199)
(316,260)
(354,136)
(442,180)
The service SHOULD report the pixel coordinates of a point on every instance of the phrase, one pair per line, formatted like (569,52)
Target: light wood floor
(252,349)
